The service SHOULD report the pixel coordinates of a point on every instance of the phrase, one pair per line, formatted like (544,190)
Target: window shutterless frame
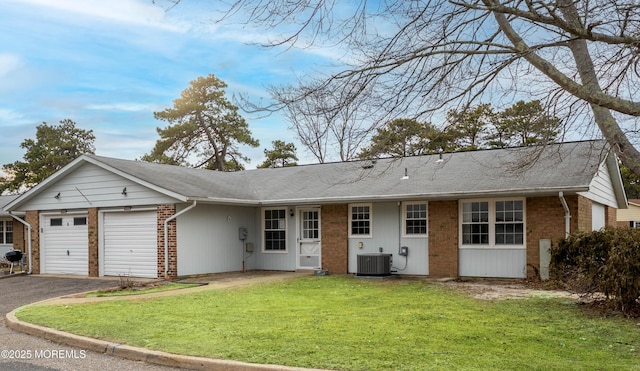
(361,220)
(415,219)
(274,230)
(6,232)
(492,223)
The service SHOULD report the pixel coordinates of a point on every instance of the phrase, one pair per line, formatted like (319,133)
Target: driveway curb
(138,354)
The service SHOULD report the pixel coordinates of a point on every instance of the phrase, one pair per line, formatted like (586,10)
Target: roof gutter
(166,235)
(28,238)
(567,215)
(431,196)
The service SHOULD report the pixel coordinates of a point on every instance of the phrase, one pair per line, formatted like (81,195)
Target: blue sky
(108,65)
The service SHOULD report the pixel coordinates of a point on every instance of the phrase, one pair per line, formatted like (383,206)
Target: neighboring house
(478,213)
(10,229)
(630,217)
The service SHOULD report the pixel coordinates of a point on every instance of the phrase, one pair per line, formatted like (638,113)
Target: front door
(309,256)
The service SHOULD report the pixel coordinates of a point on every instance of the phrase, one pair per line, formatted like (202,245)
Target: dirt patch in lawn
(484,289)
(208,282)
(506,289)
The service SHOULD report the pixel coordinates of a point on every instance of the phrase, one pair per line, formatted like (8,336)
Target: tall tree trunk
(607,124)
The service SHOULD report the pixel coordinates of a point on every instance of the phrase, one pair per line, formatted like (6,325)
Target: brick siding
(335,238)
(19,235)
(443,238)
(611,217)
(585,214)
(164,212)
(33,219)
(545,220)
(92,230)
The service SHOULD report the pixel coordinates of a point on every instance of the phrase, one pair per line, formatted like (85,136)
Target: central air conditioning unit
(374,264)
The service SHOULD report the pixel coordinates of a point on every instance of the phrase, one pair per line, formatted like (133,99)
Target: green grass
(139,291)
(348,324)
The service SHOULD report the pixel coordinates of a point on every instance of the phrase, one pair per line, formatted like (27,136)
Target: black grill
(13,256)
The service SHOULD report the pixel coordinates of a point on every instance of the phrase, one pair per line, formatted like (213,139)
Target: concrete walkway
(213,282)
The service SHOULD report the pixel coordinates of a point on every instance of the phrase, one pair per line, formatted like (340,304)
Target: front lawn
(339,322)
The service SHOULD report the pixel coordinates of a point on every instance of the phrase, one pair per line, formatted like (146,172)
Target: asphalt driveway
(21,352)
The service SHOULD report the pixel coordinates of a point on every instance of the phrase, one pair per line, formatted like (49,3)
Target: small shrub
(605,262)
(125,282)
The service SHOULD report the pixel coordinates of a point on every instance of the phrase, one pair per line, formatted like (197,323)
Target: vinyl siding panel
(630,214)
(208,239)
(597,216)
(601,188)
(387,232)
(92,186)
(279,261)
(497,263)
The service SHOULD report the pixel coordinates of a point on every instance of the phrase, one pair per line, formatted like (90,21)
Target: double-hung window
(414,219)
(360,220)
(492,223)
(509,222)
(475,223)
(6,232)
(275,230)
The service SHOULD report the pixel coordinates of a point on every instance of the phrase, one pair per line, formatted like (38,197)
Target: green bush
(601,262)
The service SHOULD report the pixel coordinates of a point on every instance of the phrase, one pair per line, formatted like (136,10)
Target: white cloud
(127,107)
(10,117)
(133,12)
(8,63)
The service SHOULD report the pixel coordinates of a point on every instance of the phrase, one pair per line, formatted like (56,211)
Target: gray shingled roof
(4,200)
(567,167)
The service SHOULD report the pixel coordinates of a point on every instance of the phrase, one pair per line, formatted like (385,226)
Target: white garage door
(130,244)
(65,244)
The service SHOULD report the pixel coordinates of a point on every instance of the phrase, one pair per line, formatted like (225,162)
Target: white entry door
(309,248)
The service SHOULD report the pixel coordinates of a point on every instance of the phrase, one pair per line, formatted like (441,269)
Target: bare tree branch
(423,57)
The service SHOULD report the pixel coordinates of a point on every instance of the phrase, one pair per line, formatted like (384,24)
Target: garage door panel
(130,244)
(65,246)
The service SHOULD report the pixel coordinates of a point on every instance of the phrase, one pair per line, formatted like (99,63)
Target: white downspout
(567,215)
(28,238)
(166,235)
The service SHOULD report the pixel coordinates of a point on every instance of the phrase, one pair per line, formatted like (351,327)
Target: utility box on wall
(545,258)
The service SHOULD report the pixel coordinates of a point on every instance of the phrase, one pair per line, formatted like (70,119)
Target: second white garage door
(130,244)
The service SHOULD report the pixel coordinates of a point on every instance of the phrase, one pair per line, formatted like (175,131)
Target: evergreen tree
(282,155)
(54,147)
(204,129)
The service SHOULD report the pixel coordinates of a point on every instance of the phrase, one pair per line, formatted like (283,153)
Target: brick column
(585,214)
(19,242)
(443,238)
(92,227)
(33,219)
(164,212)
(545,220)
(611,217)
(335,238)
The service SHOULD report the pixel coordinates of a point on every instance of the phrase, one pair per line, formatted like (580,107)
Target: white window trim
(4,232)
(286,231)
(492,224)
(404,219)
(370,235)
